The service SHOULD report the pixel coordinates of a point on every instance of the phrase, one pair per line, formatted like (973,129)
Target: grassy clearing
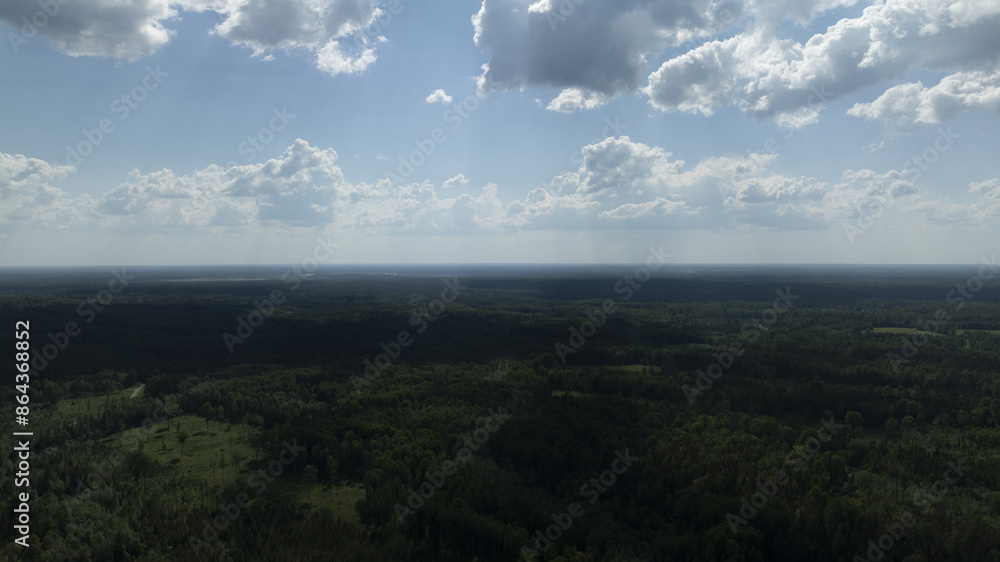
(903,331)
(992,332)
(213,450)
(339,499)
(632,368)
(572,393)
(214,453)
(91,405)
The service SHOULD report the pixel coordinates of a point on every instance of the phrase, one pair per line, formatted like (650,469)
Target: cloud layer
(736,53)
(620,184)
(767,76)
(341,35)
(698,57)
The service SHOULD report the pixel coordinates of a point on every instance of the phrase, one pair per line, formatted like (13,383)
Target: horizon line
(505,264)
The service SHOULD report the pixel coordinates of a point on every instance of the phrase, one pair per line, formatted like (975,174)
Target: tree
(181,438)
(854,419)
(308,479)
(206,411)
(891,425)
(361,506)
(331,467)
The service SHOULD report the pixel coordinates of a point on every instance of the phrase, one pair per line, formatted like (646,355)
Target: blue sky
(817,131)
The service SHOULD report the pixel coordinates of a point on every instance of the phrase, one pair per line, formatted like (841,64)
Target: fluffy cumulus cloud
(592,50)
(912,103)
(123,29)
(438,96)
(295,189)
(773,77)
(735,53)
(983,213)
(620,184)
(623,184)
(303,187)
(28,199)
(457,181)
(571,99)
(342,35)
(334,30)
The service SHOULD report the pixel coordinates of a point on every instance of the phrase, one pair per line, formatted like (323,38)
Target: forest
(729,415)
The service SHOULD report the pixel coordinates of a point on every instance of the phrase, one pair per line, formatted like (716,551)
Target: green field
(217,453)
(341,499)
(213,450)
(92,405)
(903,331)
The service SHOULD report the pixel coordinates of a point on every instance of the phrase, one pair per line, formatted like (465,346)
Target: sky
(166,132)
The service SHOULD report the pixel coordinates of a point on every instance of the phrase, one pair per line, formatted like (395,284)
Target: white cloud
(593,52)
(767,76)
(270,24)
(332,59)
(29,200)
(122,29)
(571,99)
(982,214)
(294,189)
(912,103)
(620,185)
(332,30)
(438,96)
(798,11)
(457,181)
(988,188)
(21,176)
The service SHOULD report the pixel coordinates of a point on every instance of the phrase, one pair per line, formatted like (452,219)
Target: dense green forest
(602,417)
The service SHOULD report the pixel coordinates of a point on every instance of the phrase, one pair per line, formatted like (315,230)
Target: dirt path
(136,391)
